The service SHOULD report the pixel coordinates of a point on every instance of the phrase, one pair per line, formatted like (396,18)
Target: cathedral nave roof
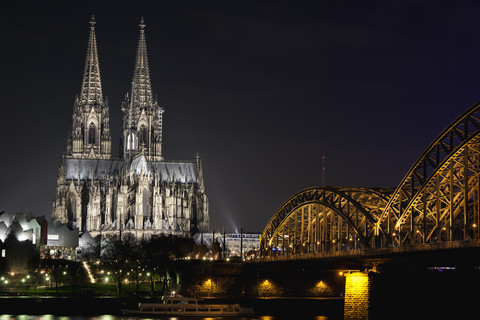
(167,171)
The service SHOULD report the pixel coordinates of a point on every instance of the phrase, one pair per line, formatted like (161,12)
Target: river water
(113,317)
(44,308)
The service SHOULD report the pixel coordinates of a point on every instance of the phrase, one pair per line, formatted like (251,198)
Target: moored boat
(182,306)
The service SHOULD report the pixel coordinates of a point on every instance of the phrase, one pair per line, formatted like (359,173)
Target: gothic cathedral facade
(139,193)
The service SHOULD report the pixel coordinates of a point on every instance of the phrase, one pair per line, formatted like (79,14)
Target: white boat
(181,306)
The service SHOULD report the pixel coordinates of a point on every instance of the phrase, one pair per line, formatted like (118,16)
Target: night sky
(262,90)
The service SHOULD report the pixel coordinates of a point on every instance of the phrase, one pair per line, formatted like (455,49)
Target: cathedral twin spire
(91,91)
(142,116)
(141,86)
(98,194)
(90,135)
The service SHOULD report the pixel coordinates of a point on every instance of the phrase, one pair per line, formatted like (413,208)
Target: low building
(62,242)
(23,227)
(246,242)
(21,236)
(236,244)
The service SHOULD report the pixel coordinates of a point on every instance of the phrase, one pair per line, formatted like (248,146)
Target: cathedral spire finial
(142,88)
(142,126)
(91,91)
(92,21)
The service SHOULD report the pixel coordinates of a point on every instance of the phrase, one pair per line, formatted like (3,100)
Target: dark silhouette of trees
(116,256)
(75,272)
(56,269)
(21,256)
(160,255)
(143,260)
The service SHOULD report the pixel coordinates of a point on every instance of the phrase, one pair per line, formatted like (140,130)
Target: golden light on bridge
(436,203)
(269,288)
(321,289)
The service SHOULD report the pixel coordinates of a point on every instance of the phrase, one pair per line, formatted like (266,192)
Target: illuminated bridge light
(433,207)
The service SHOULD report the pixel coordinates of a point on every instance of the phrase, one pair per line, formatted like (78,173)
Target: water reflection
(112,317)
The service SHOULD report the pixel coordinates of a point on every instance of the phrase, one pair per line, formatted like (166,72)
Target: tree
(20,255)
(138,264)
(160,253)
(74,272)
(157,261)
(116,256)
(55,269)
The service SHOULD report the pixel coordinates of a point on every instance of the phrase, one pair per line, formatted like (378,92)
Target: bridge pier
(357,303)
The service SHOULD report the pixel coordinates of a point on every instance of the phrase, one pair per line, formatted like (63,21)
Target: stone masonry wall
(357,296)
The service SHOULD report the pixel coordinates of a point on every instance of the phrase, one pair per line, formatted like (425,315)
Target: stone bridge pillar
(357,296)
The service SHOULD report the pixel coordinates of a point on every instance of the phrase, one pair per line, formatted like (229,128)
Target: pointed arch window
(91,133)
(143,136)
(132,141)
(71,203)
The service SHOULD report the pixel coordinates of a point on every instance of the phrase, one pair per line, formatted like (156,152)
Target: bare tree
(55,269)
(116,256)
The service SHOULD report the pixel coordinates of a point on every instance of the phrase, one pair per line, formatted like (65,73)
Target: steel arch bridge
(437,201)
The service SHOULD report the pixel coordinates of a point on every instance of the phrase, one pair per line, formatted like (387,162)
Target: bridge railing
(447,245)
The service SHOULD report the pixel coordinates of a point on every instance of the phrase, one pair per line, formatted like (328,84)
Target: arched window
(91,133)
(71,203)
(131,141)
(143,135)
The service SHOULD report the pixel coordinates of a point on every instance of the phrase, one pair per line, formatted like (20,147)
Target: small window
(143,136)
(3,253)
(91,133)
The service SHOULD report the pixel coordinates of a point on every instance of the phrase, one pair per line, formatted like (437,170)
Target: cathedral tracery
(132,141)
(71,204)
(91,133)
(143,136)
(139,193)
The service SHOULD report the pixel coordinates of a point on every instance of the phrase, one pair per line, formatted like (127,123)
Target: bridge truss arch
(438,199)
(317,220)
(437,202)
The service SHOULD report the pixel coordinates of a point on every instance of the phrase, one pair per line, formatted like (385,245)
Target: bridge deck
(375,252)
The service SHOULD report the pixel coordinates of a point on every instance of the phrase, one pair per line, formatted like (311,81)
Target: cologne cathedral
(140,193)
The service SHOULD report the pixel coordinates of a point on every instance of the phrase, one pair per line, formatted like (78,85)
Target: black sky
(261,89)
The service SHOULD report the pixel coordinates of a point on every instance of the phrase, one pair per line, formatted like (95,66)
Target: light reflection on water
(111,317)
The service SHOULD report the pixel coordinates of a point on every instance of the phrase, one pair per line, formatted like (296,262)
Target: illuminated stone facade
(140,193)
(357,296)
